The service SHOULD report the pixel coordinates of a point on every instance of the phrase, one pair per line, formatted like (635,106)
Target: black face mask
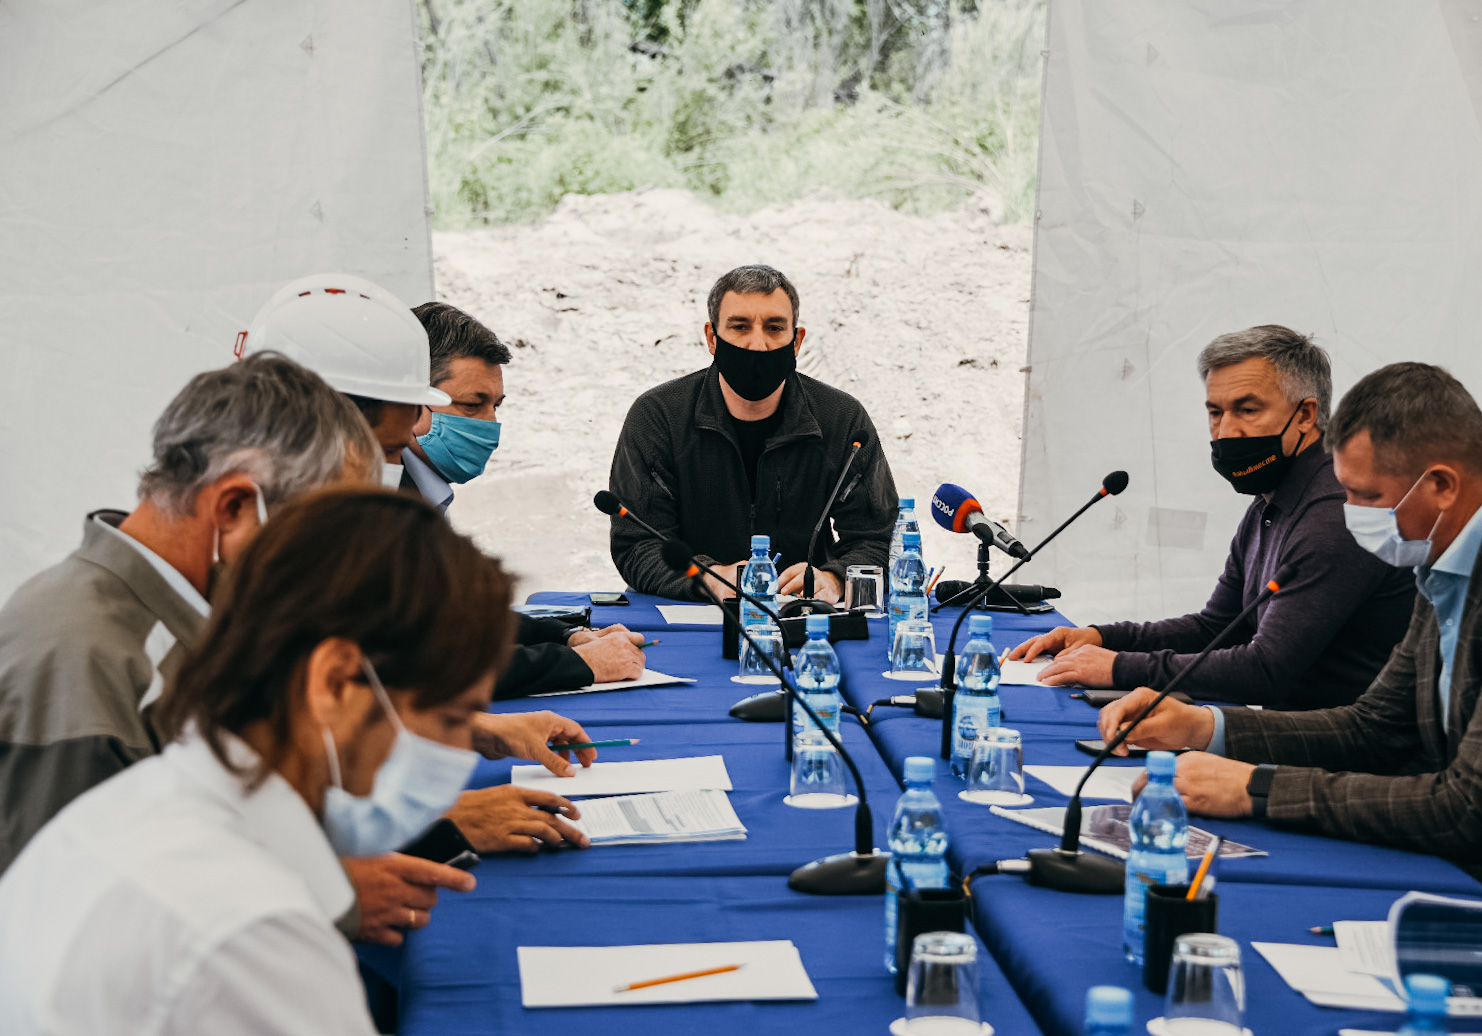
(753,374)
(1254,464)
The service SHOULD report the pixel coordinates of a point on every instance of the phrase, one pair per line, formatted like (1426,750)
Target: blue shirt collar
(1461,557)
(435,489)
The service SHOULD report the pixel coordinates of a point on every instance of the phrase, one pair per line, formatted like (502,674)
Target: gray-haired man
(747,446)
(1323,639)
(86,645)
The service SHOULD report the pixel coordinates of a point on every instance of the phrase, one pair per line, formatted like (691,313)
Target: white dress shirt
(169,901)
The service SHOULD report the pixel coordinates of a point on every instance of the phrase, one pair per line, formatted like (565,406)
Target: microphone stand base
(806,606)
(1076,872)
(847,874)
(767,707)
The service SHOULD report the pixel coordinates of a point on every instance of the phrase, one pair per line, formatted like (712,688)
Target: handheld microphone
(1111,485)
(807,603)
(1066,868)
(950,588)
(955,510)
(858,873)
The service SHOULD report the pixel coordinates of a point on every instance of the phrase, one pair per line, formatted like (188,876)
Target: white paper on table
(1317,972)
(650,678)
(1389,1032)
(1367,947)
(693,773)
(1108,782)
(691,614)
(665,817)
(1025,673)
(581,976)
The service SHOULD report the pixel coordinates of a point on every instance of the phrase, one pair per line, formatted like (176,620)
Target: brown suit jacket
(1386,768)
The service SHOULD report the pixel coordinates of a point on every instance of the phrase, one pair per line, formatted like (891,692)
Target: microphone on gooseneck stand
(857,873)
(1111,485)
(1066,868)
(807,603)
(956,510)
(766,707)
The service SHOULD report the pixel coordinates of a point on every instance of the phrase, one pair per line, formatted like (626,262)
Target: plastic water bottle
(1159,827)
(975,706)
(759,579)
(918,843)
(816,669)
(1426,1013)
(907,585)
(905,521)
(1108,1011)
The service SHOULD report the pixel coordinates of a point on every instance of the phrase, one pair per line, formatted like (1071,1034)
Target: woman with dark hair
(328,712)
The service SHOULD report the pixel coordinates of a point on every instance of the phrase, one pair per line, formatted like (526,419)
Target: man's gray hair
(266,417)
(751,280)
(1301,365)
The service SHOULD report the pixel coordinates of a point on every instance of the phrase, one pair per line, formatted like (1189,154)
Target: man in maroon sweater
(1324,638)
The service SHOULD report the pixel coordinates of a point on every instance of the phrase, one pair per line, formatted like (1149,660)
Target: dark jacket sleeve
(642,478)
(1333,579)
(540,631)
(540,668)
(1317,753)
(864,515)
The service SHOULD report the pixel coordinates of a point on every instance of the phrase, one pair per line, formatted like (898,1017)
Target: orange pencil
(676,978)
(935,579)
(1209,855)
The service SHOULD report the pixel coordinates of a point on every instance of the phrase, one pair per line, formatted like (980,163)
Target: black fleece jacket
(678,466)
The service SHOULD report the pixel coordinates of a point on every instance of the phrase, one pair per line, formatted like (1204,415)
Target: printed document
(695,773)
(650,678)
(664,818)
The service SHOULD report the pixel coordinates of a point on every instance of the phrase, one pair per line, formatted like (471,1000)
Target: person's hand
(613,656)
(1057,640)
(524,735)
(1212,785)
(1171,726)
(506,818)
(732,572)
(396,893)
(1084,666)
(587,636)
(826,585)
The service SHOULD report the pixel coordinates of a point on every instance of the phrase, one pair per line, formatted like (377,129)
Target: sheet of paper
(650,678)
(1108,782)
(581,976)
(1367,947)
(665,817)
(1026,672)
(691,614)
(1318,971)
(1104,828)
(692,773)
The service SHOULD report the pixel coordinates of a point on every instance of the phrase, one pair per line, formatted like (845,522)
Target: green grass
(919,103)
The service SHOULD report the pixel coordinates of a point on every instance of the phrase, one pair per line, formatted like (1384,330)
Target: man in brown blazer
(1403,764)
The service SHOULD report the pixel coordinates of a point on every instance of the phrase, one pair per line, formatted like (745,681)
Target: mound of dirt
(923,319)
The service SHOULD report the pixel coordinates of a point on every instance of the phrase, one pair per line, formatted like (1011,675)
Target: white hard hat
(355,335)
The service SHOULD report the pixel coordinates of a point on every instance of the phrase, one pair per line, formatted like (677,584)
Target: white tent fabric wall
(163,168)
(1204,167)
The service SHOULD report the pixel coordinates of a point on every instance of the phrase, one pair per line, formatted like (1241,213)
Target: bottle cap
(1162,764)
(816,623)
(761,543)
(908,503)
(1108,1005)
(1427,993)
(920,769)
(911,539)
(979,625)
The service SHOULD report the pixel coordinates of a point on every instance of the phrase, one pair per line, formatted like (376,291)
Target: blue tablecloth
(459,975)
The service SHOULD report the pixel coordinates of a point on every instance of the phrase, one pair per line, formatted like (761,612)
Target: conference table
(1040,950)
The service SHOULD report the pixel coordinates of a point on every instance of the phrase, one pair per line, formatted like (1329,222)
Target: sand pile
(923,319)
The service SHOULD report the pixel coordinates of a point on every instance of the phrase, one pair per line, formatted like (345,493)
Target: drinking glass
(1206,992)
(817,774)
(942,987)
(769,644)
(914,650)
(995,772)
(864,590)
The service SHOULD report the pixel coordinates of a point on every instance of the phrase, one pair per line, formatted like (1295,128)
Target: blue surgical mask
(1377,530)
(459,447)
(419,781)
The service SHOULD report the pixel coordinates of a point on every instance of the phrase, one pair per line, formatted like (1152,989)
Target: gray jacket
(1386,768)
(81,644)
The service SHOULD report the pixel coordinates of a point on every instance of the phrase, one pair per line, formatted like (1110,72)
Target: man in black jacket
(466,362)
(749,445)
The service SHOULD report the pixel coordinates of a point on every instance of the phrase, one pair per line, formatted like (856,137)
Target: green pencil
(647,644)
(615,743)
